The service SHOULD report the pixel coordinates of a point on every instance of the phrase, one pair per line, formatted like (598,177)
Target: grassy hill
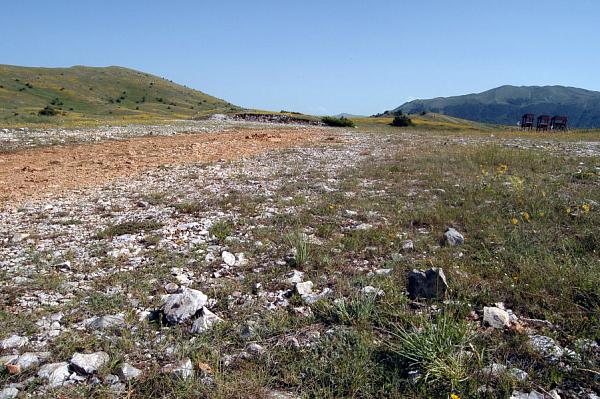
(428,121)
(506,104)
(88,95)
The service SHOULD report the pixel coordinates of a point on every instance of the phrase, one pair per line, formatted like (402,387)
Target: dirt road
(38,172)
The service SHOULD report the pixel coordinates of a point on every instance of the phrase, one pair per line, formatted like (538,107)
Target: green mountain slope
(80,94)
(506,104)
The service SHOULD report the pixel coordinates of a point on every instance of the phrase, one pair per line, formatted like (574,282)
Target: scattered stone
(182,370)
(554,394)
(312,298)
(524,395)
(89,363)
(126,372)
(248,330)
(106,322)
(538,323)
(205,322)
(255,349)
(546,347)
(228,258)
(370,290)
(171,288)
(295,277)
(428,284)
(496,370)
(408,245)
(31,359)
(280,395)
(496,317)
(304,288)
(9,393)
(364,226)
(56,373)
(453,238)
(183,305)
(13,342)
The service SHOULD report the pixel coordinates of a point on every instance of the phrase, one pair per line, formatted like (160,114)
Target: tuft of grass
(131,227)
(298,241)
(439,350)
(189,207)
(222,229)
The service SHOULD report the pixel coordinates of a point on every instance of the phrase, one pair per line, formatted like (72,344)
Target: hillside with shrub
(88,94)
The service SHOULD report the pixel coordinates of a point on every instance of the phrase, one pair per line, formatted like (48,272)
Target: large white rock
(89,363)
(496,317)
(183,305)
(205,322)
(228,258)
(14,341)
(55,373)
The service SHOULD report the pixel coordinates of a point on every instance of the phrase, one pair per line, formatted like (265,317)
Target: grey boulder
(181,306)
(89,363)
(453,238)
(55,373)
(106,322)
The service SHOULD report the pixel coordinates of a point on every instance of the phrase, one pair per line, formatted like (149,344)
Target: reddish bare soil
(37,172)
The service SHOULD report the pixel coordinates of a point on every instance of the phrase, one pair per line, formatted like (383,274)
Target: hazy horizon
(320,59)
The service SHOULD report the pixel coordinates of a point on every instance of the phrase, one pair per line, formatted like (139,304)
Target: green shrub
(401,121)
(337,122)
(48,111)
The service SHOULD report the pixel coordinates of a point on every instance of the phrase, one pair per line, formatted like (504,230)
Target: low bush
(337,122)
(48,111)
(401,121)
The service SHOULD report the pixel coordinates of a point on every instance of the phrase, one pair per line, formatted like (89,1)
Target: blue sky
(320,57)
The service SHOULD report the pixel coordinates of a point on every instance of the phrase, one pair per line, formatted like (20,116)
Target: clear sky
(320,57)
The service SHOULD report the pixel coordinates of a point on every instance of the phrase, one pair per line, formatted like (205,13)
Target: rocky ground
(183,271)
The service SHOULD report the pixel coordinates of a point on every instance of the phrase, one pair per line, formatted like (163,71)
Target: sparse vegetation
(131,227)
(337,122)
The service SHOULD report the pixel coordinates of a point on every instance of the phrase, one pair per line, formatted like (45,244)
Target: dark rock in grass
(428,284)
(453,238)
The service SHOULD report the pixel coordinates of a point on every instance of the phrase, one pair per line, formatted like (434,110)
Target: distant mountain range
(506,104)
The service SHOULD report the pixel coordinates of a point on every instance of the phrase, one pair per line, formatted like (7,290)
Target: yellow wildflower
(585,207)
(525,216)
(514,221)
(454,396)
